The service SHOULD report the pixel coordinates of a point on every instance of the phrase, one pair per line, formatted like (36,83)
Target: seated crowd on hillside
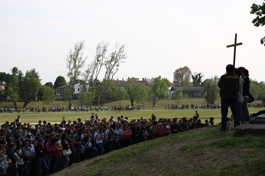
(43,148)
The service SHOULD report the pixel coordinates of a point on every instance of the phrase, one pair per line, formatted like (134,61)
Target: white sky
(160,36)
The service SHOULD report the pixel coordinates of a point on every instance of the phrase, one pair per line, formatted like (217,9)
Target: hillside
(204,151)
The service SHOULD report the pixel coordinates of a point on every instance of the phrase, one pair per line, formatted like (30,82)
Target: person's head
(245,72)
(238,72)
(12,146)
(230,68)
(26,143)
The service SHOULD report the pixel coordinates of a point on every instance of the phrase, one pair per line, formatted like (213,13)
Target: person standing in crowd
(99,137)
(228,84)
(77,140)
(240,96)
(65,144)
(3,162)
(127,135)
(196,115)
(246,88)
(40,166)
(29,154)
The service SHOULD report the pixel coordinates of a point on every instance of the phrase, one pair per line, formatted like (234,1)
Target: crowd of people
(45,148)
(122,108)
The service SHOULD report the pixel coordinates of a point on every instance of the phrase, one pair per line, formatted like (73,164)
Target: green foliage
(31,85)
(49,84)
(136,91)
(13,89)
(142,93)
(160,87)
(178,94)
(48,95)
(210,90)
(68,93)
(84,99)
(259,11)
(119,93)
(60,81)
(257,90)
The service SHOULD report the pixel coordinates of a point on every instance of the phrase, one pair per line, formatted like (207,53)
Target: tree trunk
(15,105)
(70,105)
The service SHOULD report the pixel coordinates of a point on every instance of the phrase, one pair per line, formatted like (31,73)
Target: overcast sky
(160,36)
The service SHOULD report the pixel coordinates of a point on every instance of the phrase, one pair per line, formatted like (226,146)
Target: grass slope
(199,152)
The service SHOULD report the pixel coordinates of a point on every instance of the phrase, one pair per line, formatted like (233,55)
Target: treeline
(85,86)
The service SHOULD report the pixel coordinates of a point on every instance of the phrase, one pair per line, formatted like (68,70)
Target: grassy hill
(200,152)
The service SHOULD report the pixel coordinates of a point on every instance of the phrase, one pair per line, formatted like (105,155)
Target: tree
(160,88)
(182,77)
(49,84)
(74,63)
(60,81)
(68,94)
(257,90)
(85,97)
(112,64)
(40,93)
(13,89)
(179,94)
(137,92)
(31,86)
(259,11)
(21,88)
(93,69)
(196,79)
(119,93)
(48,94)
(211,90)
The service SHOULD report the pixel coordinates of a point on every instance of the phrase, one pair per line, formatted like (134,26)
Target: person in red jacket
(159,130)
(127,135)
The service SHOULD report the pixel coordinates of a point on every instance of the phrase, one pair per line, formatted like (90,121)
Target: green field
(34,117)
(160,112)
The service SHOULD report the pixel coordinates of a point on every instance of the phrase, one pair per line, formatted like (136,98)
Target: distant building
(77,91)
(187,91)
(171,93)
(192,91)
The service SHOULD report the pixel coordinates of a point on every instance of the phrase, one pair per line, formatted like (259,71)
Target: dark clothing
(229,84)
(246,86)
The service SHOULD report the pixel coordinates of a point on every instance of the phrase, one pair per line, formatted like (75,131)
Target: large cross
(234,45)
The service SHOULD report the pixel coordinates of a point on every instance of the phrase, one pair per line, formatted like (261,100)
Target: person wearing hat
(229,85)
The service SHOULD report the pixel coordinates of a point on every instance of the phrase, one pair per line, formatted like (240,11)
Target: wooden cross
(234,45)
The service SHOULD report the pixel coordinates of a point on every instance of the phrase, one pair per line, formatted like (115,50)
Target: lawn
(34,117)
